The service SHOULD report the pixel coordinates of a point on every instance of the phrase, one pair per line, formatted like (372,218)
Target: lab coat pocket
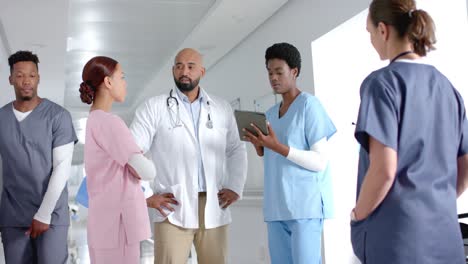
(358,239)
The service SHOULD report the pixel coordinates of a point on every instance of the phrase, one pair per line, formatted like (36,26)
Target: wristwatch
(353,216)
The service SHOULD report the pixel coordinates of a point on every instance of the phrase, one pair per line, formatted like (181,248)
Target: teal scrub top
(291,191)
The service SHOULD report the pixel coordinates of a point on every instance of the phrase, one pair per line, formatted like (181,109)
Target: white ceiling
(39,26)
(143,35)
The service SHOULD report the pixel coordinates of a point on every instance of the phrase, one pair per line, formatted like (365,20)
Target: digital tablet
(245,118)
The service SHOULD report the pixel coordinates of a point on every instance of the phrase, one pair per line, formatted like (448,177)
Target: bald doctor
(201,165)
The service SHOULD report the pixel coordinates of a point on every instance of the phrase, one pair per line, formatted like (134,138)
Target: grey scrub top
(413,109)
(26,152)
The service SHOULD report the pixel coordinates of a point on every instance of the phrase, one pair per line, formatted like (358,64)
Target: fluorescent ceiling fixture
(69,44)
(89,16)
(87,41)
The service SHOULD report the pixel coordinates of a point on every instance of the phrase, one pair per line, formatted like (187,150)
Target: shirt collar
(422,60)
(184,98)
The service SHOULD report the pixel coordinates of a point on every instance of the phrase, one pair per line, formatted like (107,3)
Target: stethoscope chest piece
(209,124)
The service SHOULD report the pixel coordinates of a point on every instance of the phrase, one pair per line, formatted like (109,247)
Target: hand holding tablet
(246,118)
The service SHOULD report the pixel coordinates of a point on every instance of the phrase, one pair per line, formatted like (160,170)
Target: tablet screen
(245,118)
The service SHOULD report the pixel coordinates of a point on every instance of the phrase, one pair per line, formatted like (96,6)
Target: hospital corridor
(233,131)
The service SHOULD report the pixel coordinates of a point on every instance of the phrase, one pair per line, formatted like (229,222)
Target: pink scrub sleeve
(116,140)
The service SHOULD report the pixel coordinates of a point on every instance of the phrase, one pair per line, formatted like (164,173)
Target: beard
(26,98)
(186,87)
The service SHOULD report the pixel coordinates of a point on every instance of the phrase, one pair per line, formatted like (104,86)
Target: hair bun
(86,93)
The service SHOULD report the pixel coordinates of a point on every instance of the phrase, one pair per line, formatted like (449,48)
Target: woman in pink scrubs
(117,217)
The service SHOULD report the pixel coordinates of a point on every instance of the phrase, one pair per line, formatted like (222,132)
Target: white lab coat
(174,151)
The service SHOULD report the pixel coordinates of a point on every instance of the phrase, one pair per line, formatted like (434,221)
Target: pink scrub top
(114,193)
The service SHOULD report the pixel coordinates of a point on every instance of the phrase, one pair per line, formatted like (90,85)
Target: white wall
(340,96)
(6,91)
(247,233)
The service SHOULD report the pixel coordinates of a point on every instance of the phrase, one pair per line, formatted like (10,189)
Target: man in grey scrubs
(36,147)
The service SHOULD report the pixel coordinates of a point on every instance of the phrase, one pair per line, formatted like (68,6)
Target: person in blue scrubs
(413,135)
(297,185)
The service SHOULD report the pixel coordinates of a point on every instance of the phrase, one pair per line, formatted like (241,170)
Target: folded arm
(141,167)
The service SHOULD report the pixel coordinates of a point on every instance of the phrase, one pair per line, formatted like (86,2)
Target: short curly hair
(287,52)
(22,55)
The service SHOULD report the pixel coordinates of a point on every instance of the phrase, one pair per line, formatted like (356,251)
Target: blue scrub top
(290,191)
(413,109)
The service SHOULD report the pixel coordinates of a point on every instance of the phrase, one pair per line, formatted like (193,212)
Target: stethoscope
(174,112)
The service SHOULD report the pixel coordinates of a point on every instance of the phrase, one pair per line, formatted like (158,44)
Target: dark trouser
(49,248)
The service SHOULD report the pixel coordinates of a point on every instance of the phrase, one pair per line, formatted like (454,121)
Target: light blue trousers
(295,241)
